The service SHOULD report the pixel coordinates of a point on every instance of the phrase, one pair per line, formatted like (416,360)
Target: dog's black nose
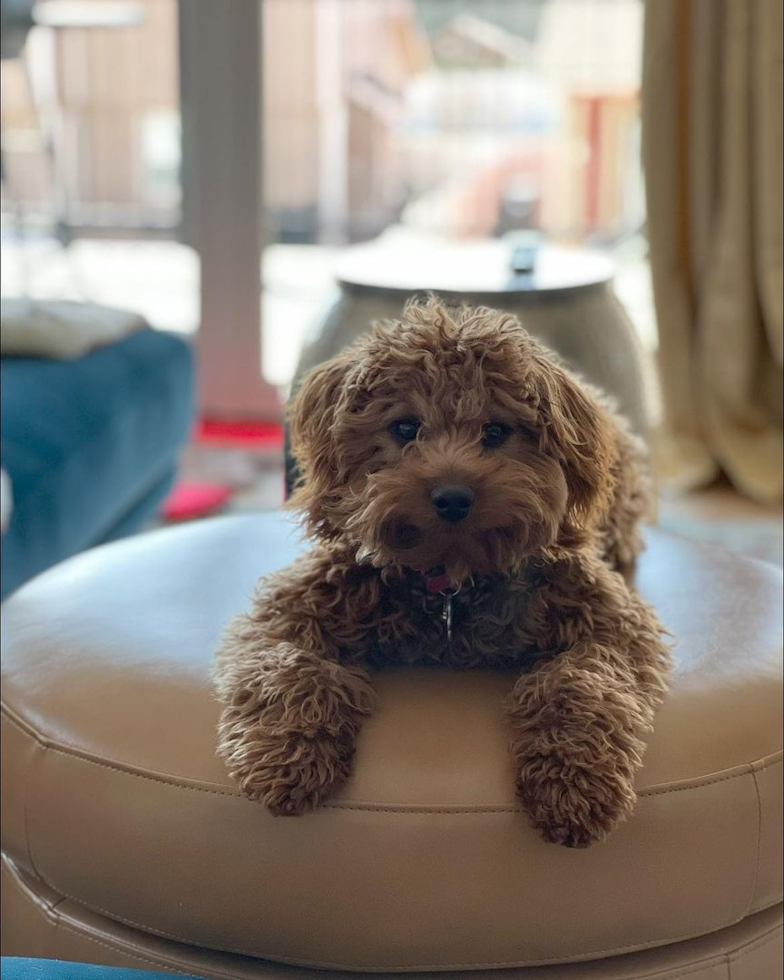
(452,502)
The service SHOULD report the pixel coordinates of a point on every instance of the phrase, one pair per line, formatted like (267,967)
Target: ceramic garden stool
(125,844)
(567,301)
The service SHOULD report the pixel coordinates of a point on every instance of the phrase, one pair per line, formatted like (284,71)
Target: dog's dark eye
(405,429)
(494,433)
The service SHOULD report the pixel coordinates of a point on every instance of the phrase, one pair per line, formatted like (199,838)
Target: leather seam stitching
(86,934)
(38,903)
(50,911)
(74,753)
(767,762)
(743,770)
(755,877)
(25,799)
(752,947)
(584,957)
(717,959)
(746,770)
(453,966)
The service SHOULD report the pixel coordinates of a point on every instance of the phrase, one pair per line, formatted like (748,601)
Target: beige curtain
(712,152)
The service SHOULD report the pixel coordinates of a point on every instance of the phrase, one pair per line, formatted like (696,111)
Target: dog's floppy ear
(581,433)
(311,417)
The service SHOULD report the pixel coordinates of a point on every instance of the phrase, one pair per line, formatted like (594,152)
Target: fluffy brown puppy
(450,451)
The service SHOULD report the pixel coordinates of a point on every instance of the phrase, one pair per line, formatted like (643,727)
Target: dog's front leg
(579,718)
(288,725)
(291,710)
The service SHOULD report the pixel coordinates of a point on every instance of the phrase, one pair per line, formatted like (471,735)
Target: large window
(462,119)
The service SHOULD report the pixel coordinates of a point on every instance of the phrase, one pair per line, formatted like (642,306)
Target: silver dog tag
(446,614)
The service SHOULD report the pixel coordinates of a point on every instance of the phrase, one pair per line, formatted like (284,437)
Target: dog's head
(449,439)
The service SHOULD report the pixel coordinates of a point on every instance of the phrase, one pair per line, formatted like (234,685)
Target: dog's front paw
(573,806)
(292,773)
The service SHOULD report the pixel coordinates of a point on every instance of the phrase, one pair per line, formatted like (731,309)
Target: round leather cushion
(114,795)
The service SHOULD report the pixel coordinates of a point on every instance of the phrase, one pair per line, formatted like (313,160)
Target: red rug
(189,500)
(256,436)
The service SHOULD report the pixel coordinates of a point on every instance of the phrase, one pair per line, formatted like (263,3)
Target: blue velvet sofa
(90,446)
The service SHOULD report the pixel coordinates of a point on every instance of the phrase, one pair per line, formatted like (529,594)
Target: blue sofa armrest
(90,445)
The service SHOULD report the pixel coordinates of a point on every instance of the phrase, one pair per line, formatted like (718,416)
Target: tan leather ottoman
(125,844)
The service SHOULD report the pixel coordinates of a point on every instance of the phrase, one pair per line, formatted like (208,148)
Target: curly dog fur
(454,397)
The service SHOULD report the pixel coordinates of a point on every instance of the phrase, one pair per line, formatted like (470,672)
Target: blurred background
(199,200)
